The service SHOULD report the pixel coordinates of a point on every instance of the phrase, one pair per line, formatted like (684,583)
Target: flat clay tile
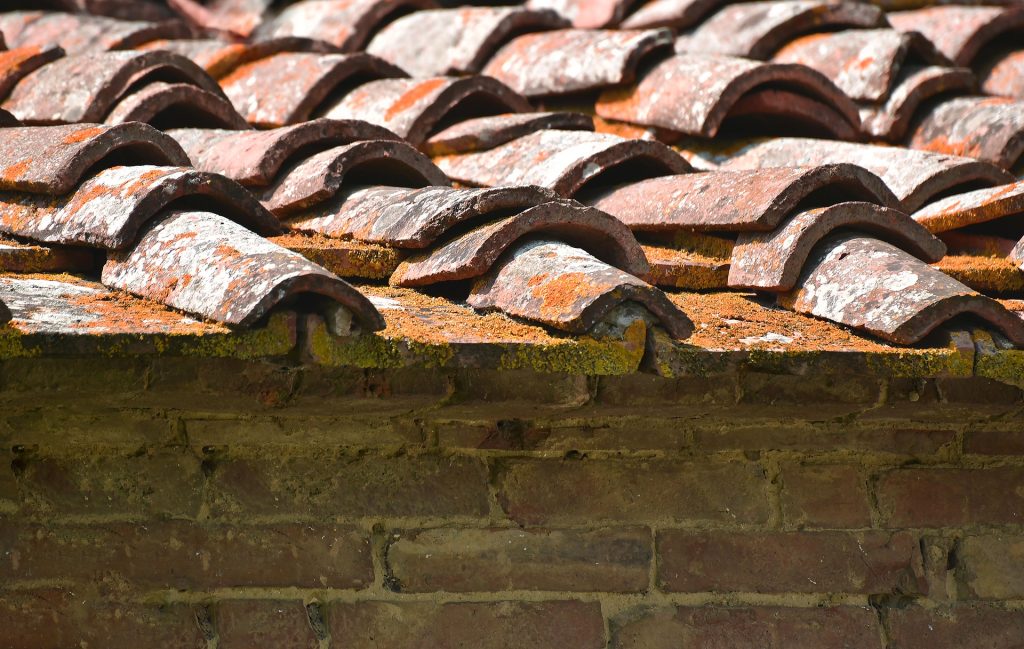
(573,60)
(291,87)
(177,105)
(562,161)
(53,159)
(254,158)
(413,108)
(82,33)
(695,93)
(566,288)
(345,24)
(85,87)
(874,286)
(482,133)
(108,209)
(863,63)
(455,41)
(973,207)
(413,217)
(471,254)
(757,30)
(960,32)
(772,261)
(986,128)
(742,200)
(915,177)
(320,176)
(209,266)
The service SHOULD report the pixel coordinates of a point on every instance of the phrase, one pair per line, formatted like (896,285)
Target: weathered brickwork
(232,504)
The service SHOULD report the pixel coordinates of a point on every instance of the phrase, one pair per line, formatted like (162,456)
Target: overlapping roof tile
(345,24)
(78,33)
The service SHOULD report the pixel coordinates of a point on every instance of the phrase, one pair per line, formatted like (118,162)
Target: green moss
(1005,366)
(375,351)
(277,338)
(583,355)
(12,345)
(921,363)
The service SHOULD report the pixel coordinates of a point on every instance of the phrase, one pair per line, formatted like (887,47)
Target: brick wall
(178,503)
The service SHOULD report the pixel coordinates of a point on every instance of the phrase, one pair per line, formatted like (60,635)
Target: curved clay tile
(757,30)
(413,108)
(891,120)
(345,24)
(471,254)
(960,32)
(238,17)
(85,87)
(572,60)
(863,63)
(108,209)
(986,128)
(874,286)
(772,261)
(566,288)
(17,63)
(320,176)
(254,158)
(455,41)
(915,177)
(206,265)
(745,200)
(177,105)
(482,133)
(670,13)
(413,218)
(694,94)
(151,10)
(53,159)
(291,87)
(562,161)
(1003,75)
(587,14)
(971,208)
(83,33)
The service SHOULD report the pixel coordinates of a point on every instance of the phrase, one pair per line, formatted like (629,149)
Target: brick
(992,566)
(58,428)
(937,497)
(54,619)
(353,486)
(606,433)
(513,559)
(978,627)
(220,384)
(824,496)
(826,393)
(582,491)
(9,496)
(994,441)
(780,562)
(324,432)
(180,554)
(844,627)
(668,397)
(521,393)
(156,482)
(779,434)
(71,380)
(348,391)
(250,624)
(481,625)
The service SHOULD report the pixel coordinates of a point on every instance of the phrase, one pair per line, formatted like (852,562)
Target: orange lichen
(412,96)
(83,134)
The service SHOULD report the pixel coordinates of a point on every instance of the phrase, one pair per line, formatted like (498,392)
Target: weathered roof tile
(916,85)
(973,207)
(211,267)
(670,13)
(83,33)
(346,24)
(573,60)
(482,133)
(238,17)
(586,14)
(568,289)
(170,105)
(562,161)
(695,93)
(455,41)
(758,29)
(959,31)
(986,128)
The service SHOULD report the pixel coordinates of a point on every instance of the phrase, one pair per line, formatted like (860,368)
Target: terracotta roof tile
(455,41)
(974,207)
(587,14)
(83,33)
(482,133)
(573,60)
(346,24)
(562,161)
(568,289)
(695,93)
(896,296)
(986,128)
(169,105)
(960,32)
(670,13)
(916,85)
(1004,75)
(916,177)
(237,17)
(758,29)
